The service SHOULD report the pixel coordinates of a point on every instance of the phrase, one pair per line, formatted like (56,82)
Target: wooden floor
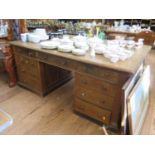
(53,114)
(49,115)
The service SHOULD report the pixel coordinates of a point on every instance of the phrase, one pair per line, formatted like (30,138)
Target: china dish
(65,48)
(49,44)
(66,41)
(79,52)
(100,49)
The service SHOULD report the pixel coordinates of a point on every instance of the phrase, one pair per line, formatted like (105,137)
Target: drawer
(29,81)
(106,74)
(92,111)
(24,51)
(20,50)
(96,98)
(26,64)
(97,85)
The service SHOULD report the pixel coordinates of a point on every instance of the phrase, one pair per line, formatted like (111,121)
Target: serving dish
(49,44)
(65,48)
(79,52)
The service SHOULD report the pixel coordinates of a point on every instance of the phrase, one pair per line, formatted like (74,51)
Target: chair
(148,36)
(7,62)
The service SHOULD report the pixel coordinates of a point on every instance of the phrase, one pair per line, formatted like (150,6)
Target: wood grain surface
(129,66)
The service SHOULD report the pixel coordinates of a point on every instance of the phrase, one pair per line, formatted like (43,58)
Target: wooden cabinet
(100,95)
(101,99)
(37,76)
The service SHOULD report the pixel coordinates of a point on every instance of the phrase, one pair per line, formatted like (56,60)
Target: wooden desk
(99,83)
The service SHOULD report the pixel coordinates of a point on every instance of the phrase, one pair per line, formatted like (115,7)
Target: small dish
(49,44)
(65,48)
(79,52)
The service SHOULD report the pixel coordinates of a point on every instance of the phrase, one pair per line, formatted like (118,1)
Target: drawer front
(27,64)
(106,74)
(24,51)
(92,111)
(29,81)
(95,84)
(96,98)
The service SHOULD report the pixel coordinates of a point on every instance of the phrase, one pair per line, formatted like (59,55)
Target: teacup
(24,37)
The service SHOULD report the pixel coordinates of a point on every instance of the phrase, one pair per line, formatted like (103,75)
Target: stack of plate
(100,49)
(49,44)
(65,48)
(66,41)
(81,45)
(79,52)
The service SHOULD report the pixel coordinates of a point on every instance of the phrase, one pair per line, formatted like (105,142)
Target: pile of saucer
(49,44)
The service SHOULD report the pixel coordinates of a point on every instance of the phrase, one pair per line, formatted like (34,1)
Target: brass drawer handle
(23,70)
(81,108)
(101,102)
(64,63)
(30,54)
(104,88)
(24,80)
(44,58)
(83,81)
(83,94)
(103,118)
(26,61)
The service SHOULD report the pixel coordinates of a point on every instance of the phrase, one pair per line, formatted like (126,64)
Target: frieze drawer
(92,111)
(92,83)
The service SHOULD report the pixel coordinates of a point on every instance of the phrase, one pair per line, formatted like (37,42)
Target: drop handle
(64,63)
(26,61)
(83,94)
(44,58)
(102,102)
(84,82)
(104,88)
(103,118)
(30,54)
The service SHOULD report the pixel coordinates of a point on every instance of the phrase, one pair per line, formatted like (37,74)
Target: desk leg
(9,65)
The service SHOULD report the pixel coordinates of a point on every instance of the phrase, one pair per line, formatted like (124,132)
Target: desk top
(129,66)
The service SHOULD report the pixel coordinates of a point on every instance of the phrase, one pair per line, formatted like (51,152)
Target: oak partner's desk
(99,84)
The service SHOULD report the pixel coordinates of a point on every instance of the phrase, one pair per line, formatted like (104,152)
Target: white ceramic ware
(66,41)
(33,38)
(49,44)
(24,37)
(79,52)
(65,48)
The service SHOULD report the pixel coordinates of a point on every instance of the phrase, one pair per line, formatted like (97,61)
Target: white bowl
(100,49)
(79,39)
(80,44)
(40,31)
(43,37)
(34,38)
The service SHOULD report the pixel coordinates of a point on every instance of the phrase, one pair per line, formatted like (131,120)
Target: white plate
(79,52)
(100,49)
(65,48)
(66,41)
(49,44)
